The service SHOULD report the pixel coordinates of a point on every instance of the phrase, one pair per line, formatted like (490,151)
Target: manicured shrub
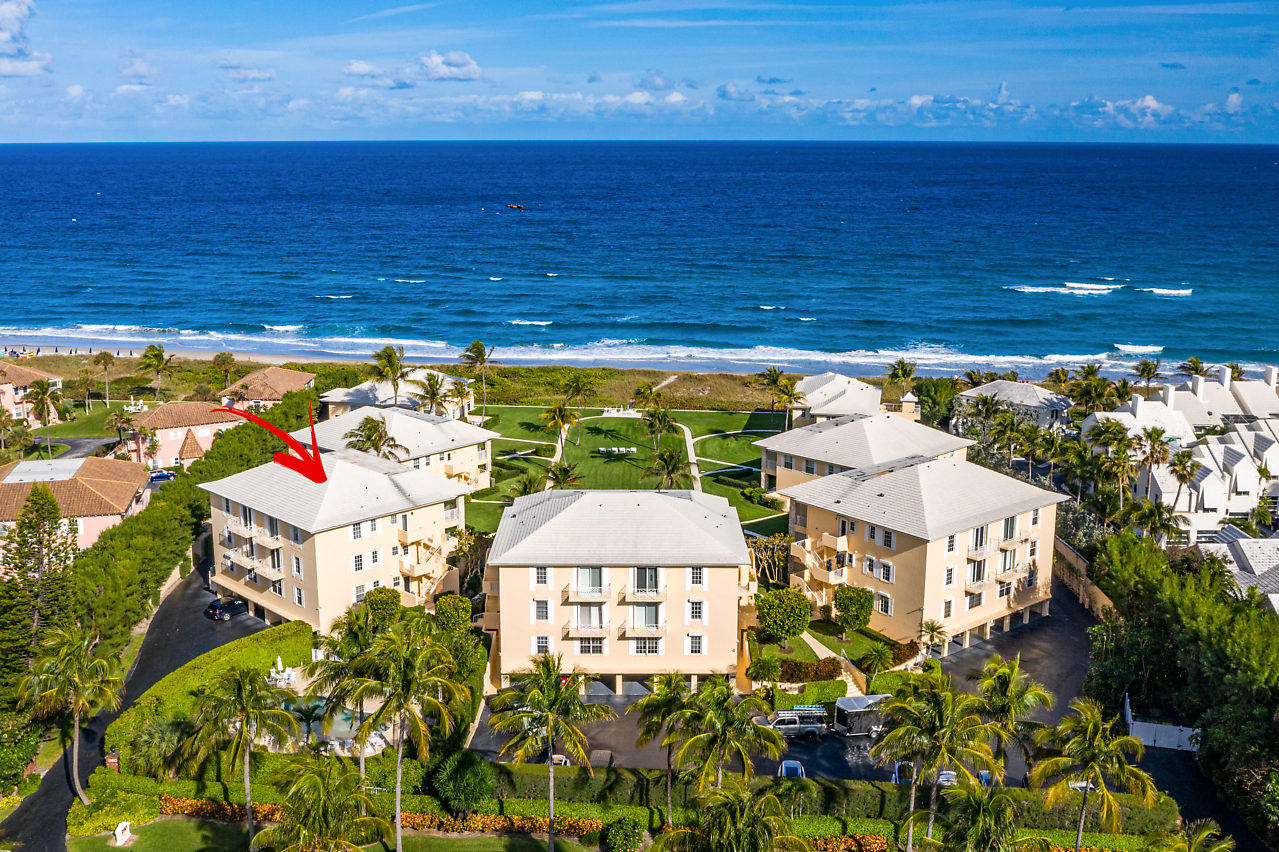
(453,612)
(782,614)
(903,653)
(463,780)
(109,810)
(816,692)
(623,835)
(385,605)
(800,671)
(19,742)
(853,607)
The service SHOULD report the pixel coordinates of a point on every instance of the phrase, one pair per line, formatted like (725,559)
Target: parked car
(801,721)
(791,769)
(161,476)
(225,610)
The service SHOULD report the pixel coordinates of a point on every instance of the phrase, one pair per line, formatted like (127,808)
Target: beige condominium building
(301,551)
(622,584)
(450,448)
(944,540)
(855,442)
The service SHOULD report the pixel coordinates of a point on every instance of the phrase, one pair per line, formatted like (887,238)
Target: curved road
(179,633)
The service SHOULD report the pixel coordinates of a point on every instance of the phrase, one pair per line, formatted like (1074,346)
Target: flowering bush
(857,843)
(492,823)
(212,809)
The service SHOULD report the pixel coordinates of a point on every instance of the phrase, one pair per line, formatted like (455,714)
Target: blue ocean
(726,255)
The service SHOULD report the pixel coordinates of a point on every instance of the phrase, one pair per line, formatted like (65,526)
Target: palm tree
(1192,366)
(69,676)
(659,714)
(1088,371)
(43,400)
(734,819)
(932,633)
(154,360)
(1121,391)
(7,422)
(459,394)
(669,467)
(236,707)
(1158,519)
(1109,433)
(372,436)
(658,422)
(563,474)
(560,418)
(309,714)
(1090,757)
(20,439)
(771,377)
(986,409)
(1091,393)
(82,384)
(480,359)
(1156,449)
(543,710)
(1009,698)
(324,806)
(904,739)
(388,364)
(1184,468)
(577,388)
(1080,465)
(716,729)
(1148,371)
(431,392)
(337,674)
(224,362)
(1059,376)
(1053,447)
(901,373)
(1237,373)
(1006,431)
(982,819)
(529,483)
(789,396)
(1199,836)
(105,359)
(411,672)
(645,396)
(877,658)
(1122,467)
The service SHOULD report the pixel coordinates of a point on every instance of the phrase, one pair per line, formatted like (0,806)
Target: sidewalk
(823,652)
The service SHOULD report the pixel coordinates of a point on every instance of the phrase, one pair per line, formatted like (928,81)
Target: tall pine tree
(35,592)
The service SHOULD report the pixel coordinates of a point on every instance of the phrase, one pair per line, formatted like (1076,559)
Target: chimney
(1272,376)
(1167,395)
(1225,376)
(1137,400)
(1197,386)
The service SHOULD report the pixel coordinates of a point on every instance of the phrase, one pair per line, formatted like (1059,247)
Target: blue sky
(73,70)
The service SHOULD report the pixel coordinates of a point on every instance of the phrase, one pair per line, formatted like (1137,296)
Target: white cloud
(136,69)
(17,59)
(655,81)
(398,10)
(130,88)
(360,68)
(245,73)
(731,92)
(1234,102)
(675,98)
(454,65)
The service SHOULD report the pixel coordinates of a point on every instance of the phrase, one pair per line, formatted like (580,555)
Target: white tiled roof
(836,395)
(360,486)
(1020,393)
(1151,413)
(928,500)
(1255,560)
(862,442)
(1256,398)
(606,527)
(374,392)
(420,433)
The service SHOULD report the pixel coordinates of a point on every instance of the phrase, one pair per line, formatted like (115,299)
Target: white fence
(1161,736)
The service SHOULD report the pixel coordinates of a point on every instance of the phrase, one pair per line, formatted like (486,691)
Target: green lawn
(39,450)
(483,516)
(712,422)
(525,422)
(615,471)
(505,446)
(729,484)
(91,425)
(733,449)
(190,835)
(857,645)
(769,526)
(799,650)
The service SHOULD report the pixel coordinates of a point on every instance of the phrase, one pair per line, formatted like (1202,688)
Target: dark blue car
(161,476)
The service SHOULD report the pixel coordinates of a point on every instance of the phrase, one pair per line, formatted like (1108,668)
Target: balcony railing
(586,594)
(585,631)
(643,594)
(979,585)
(981,550)
(1014,543)
(242,529)
(643,631)
(450,514)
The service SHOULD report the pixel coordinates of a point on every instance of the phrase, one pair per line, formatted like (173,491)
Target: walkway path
(823,652)
(664,382)
(693,469)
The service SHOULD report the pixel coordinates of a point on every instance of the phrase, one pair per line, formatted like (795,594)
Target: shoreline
(946,363)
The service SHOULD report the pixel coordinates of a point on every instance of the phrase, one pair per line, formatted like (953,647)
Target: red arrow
(309,464)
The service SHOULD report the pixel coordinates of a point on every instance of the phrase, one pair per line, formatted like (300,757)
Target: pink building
(93,494)
(14,380)
(183,432)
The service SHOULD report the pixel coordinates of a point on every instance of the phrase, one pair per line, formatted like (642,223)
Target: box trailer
(857,715)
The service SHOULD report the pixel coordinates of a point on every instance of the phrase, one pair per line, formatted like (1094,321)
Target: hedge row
(816,692)
(804,671)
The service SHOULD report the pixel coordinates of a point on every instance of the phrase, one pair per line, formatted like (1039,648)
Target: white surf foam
(808,319)
(1080,285)
(1065,291)
(529,322)
(772,307)
(1168,291)
(408,280)
(552,275)
(1136,349)
(334,297)
(491,278)
(283,327)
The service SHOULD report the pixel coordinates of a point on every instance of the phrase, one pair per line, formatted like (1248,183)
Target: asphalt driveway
(179,633)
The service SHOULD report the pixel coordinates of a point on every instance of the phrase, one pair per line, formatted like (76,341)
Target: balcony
(643,631)
(579,631)
(586,594)
(837,543)
(643,594)
(450,515)
(249,563)
(981,551)
(979,585)
(1013,543)
(269,572)
(242,529)
(402,536)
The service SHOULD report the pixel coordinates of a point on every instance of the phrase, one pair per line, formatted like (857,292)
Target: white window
(373,556)
(295,534)
(788,462)
(299,598)
(977,539)
(1007,559)
(799,514)
(696,576)
(297,566)
(647,646)
(696,644)
(950,544)
(404,522)
(886,572)
(277,560)
(226,505)
(395,550)
(417,464)
(810,466)
(950,576)
(888,539)
(976,570)
(974,600)
(359,594)
(1034,517)
(377,584)
(1005,589)
(590,615)
(357,562)
(869,566)
(277,588)
(541,610)
(648,615)
(946,608)
(246,516)
(356,531)
(1010,528)
(541,575)
(847,526)
(884,603)
(395,582)
(373,525)
(590,646)
(541,645)
(1034,547)
(871,531)
(272,527)
(696,609)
